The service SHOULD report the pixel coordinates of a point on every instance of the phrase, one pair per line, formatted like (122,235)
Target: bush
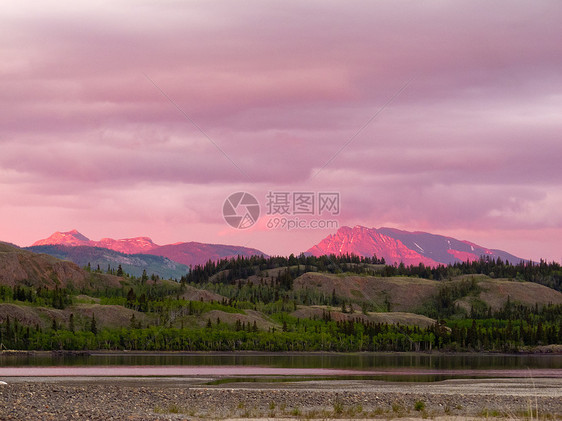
(419,405)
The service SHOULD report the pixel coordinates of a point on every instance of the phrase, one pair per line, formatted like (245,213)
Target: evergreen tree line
(296,335)
(544,273)
(230,270)
(58,298)
(243,267)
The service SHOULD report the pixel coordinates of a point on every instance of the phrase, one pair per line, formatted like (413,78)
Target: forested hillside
(303,303)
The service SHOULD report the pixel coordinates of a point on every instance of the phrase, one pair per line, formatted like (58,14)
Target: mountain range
(411,248)
(172,260)
(188,253)
(74,238)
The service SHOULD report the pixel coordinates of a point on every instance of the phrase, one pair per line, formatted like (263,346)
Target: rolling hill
(23,267)
(412,294)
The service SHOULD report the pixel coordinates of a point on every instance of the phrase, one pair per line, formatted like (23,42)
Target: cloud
(472,143)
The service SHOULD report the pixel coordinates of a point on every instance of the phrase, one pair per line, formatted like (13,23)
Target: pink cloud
(472,145)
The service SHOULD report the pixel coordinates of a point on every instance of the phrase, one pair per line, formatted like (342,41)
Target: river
(378,366)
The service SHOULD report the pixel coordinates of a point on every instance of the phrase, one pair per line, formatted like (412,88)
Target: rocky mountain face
(397,246)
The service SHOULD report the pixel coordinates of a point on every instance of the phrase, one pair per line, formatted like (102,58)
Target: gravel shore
(194,399)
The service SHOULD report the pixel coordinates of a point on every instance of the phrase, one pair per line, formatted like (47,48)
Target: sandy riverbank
(75,398)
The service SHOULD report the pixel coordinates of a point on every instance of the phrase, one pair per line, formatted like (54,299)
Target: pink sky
(471,148)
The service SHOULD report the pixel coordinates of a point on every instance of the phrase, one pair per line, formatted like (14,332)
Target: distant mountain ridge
(133,264)
(74,238)
(411,248)
(392,244)
(187,253)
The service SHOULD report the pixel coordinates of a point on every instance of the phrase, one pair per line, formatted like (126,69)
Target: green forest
(260,304)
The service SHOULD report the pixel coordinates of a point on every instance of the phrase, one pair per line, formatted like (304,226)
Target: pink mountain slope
(194,253)
(404,246)
(127,245)
(363,241)
(74,238)
(191,253)
(69,238)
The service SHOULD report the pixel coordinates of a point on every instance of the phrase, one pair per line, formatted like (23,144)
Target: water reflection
(360,361)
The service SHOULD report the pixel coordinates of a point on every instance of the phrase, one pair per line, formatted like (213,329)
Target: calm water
(359,361)
(396,367)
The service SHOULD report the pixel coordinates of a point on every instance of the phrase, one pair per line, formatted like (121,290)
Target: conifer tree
(93,325)
(71,323)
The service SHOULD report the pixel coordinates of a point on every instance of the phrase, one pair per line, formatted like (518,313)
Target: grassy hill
(22,267)
(392,317)
(413,294)
(107,316)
